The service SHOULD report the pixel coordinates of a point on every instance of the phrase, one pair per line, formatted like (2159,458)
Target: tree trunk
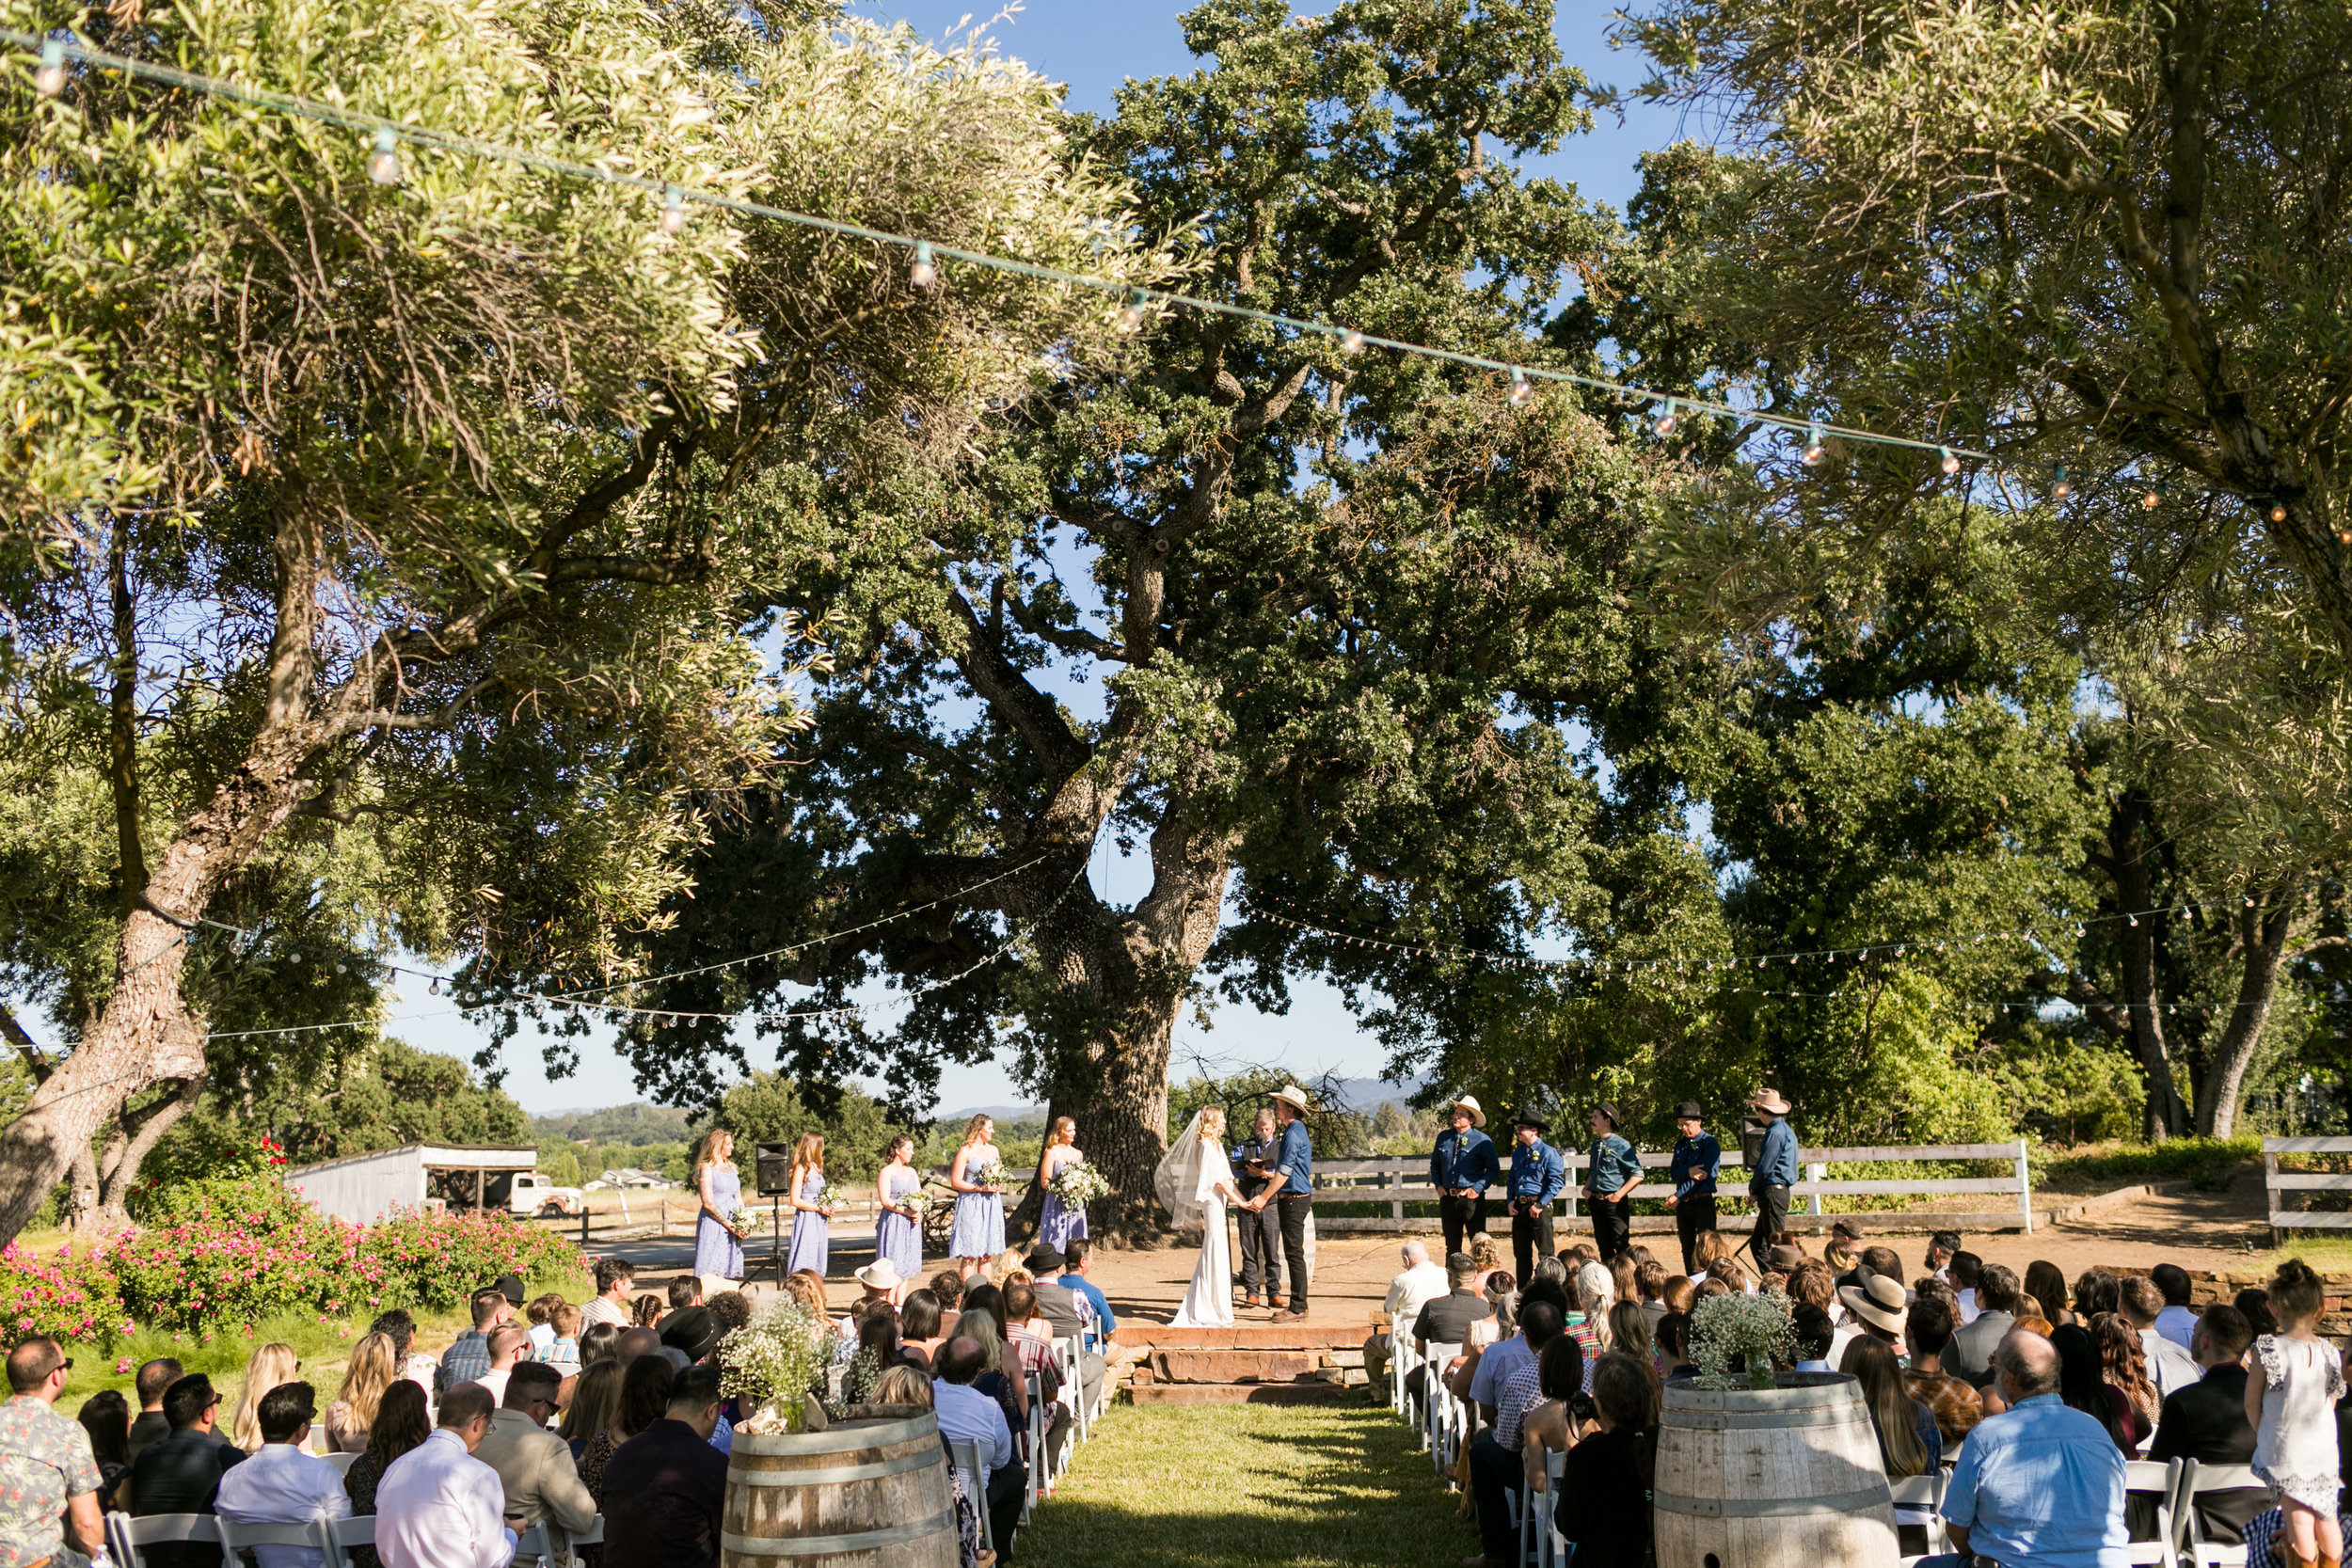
(2261,944)
(2144,989)
(131,1145)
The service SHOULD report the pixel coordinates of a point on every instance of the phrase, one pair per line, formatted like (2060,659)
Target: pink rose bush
(69,1294)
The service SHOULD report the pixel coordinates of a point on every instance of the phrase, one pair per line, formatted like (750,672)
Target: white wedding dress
(1188,1179)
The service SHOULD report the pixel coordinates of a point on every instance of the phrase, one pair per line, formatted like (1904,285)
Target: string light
(2060,489)
(1815,451)
(924,272)
(1951,462)
(384,163)
(1351,341)
(1665,425)
(673,211)
(2154,496)
(49,80)
(1521,388)
(1131,317)
(2278,512)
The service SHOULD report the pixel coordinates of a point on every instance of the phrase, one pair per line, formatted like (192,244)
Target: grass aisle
(1225,1486)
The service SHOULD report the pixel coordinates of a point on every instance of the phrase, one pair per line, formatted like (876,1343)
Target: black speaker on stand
(775,1179)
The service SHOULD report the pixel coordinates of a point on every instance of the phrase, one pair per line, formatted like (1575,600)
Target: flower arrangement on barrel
(778,1360)
(1732,1336)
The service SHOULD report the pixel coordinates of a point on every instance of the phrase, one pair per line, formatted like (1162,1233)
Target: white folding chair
(1041,1472)
(340,1461)
(2163,1482)
(1436,1401)
(1925,1494)
(1069,1361)
(235,1538)
(1400,1365)
(127,1534)
(2203,1481)
(343,1534)
(965,1455)
(533,1546)
(1551,1547)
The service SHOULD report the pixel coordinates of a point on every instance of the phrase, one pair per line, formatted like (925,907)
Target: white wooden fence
(1399,1181)
(2279,1182)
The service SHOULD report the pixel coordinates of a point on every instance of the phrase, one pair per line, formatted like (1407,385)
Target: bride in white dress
(1195,1182)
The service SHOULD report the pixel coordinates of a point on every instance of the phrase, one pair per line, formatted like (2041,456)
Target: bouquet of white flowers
(916,1202)
(829,1196)
(1734,1333)
(986,1175)
(744,1220)
(1080,1184)
(775,1358)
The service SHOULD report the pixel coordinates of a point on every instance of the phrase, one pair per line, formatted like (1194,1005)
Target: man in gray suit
(1971,1353)
(533,1463)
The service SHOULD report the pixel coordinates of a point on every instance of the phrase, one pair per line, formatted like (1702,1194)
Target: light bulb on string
(924,272)
(2278,512)
(1951,460)
(2153,496)
(1131,315)
(49,80)
(1815,452)
(1665,425)
(383,162)
(2060,489)
(1351,341)
(434,989)
(673,211)
(1521,388)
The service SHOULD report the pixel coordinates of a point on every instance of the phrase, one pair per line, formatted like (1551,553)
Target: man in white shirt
(1966,1270)
(1421,1283)
(280,1484)
(617,1280)
(439,1506)
(2170,1367)
(507,1345)
(967,1415)
(2176,1322)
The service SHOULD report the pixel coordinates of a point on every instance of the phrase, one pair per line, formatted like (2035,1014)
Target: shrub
(68,1295)
(438,1260)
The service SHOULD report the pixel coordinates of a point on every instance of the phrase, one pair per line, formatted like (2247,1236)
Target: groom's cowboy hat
(1770,1102)
(1470,1104)
(1293,1097)
(1876,1298)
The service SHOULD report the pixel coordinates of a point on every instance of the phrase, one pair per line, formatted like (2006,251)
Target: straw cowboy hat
(880,1275)
(1470,1104)
(1770,1102)
(1293,1095)
(1877,1299)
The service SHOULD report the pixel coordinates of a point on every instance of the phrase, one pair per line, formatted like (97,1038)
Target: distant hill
(1369,1094)
(636,1125)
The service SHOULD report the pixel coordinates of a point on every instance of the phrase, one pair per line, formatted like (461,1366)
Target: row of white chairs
(129,1535)
(1044,1475)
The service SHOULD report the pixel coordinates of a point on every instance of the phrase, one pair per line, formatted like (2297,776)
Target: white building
(365,1187)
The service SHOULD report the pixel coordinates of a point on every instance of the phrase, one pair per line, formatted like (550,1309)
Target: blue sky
(1094,46)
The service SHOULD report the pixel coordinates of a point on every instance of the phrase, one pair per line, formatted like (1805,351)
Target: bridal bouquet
(1080,1184)
(829,1196)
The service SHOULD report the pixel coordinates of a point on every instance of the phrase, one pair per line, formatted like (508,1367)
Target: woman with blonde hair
(1059,1221)
(272,1365)
(1195,1184)
(812,1222)
(976,1173)
(374,1367)
(897,1226)
(718,1245)
(1004,1266)
(1910,1444)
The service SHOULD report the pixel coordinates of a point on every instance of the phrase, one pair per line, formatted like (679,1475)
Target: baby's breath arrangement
(775,1358)
(1736,1332)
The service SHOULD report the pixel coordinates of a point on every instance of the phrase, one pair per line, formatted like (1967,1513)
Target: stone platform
(1248,1364)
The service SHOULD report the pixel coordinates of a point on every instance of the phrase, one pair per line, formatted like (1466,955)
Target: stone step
(1240,1393)
(1235,1365)
(1253,1336)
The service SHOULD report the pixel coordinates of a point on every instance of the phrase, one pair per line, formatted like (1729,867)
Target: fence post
(583,1222)
(1570,1190)
(2025,1188)
(1816,1174)
(1396,1205)
(2271,1191)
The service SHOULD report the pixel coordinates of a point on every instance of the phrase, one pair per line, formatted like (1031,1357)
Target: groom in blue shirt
(1290,1187)
(1775,1173)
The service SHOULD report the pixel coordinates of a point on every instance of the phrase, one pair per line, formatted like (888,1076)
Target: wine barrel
(871,1491)
(1788,1478)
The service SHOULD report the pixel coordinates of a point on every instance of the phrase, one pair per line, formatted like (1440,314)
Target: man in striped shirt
(1496,1465)
(616,1278)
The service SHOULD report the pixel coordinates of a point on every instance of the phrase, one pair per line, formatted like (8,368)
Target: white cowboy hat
(1876,1298)
(1768,1101)
(880,1275)
(1470,1104)
(1293,1095)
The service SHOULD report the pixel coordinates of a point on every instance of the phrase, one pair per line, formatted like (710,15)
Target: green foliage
(2209,1163)
(2067,1090)
(769,1107)
(634,1123)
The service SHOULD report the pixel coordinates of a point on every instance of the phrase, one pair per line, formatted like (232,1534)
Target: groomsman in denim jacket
(1537,1176)
(1611,1182)
(1699,1161)
(1462,1166)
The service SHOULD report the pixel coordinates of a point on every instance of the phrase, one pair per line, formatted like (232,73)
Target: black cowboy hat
(1528,1117)
(1609,1108)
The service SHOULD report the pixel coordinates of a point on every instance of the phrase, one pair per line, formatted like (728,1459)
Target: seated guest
(645,1399)
(1880,1302)
(905,1385)
(967,1415)
(535,1469)
(1813,1336)
(2254,1304)
(1080,1256)
(919,1327)
(2176,1322)
(1673,1347)
(666,1487)
(2125,1366)
(1958,1407)
(402,1421)
(2042,1483)
(2096,1291)
(1496,1462)
(1059,1305)
(1908,1444)
(1498,1362)
(106,1417)
(1607,1468)
(507,1344)
(436,1505)
(595,1404)
(150,1426)
(182,1473)
(879,1281)
(49,1511)
(646,1311)
(2206,1422)
(1446,1321)
(282,1485)
(374,1367)
(1649,1288)
(468,1354)
(2171,1367)
(2083,1386)
(418,1368)
(564,1353)
(1554,1424)
(1942,1248)
(1970,1357)
(1966,1270)
(947,1285)
(601,1342)
(539,1322)
(616,1277)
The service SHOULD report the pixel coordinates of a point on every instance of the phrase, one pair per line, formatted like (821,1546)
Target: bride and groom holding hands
(1196,1185)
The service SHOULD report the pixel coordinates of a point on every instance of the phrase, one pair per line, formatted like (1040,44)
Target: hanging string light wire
(1136,302)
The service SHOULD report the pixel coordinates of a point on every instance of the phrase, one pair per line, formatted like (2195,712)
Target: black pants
(1612,1229)
(1771,1218)
(1495,1469)
(1005,1491)
(1295,1211)
(1461,1218)
(1531,1241)
(1261,1247)
(1693,1217)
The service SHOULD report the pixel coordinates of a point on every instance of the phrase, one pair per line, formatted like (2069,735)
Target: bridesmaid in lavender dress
(1059,1221)
(718,1245)
(812,1228)
(977,1174)
(896,1234)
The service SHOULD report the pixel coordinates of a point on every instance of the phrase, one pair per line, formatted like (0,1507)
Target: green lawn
(1226,1486)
